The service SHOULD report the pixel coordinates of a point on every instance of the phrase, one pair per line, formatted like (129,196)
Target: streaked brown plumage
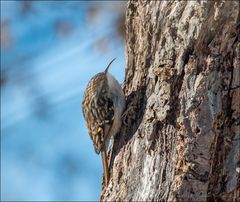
(102,106)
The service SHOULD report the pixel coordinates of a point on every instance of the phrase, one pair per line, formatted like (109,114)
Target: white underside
(117,95)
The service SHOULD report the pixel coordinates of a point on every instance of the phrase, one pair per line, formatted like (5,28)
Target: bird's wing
(99,113)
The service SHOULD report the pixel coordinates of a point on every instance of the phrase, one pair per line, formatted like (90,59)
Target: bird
(103,105)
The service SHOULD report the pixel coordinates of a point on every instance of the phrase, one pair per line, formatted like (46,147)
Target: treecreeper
(103,105)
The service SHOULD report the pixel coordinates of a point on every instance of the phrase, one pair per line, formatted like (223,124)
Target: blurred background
(49,51)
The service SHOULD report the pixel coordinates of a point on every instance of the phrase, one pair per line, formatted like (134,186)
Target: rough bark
(180,138)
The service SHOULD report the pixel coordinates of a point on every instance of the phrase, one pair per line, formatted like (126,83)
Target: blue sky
(53,49)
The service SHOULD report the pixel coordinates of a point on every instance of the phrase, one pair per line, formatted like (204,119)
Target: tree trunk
(180,136)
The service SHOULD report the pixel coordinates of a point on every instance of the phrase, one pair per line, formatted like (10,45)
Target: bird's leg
(129,115)
(105,165)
